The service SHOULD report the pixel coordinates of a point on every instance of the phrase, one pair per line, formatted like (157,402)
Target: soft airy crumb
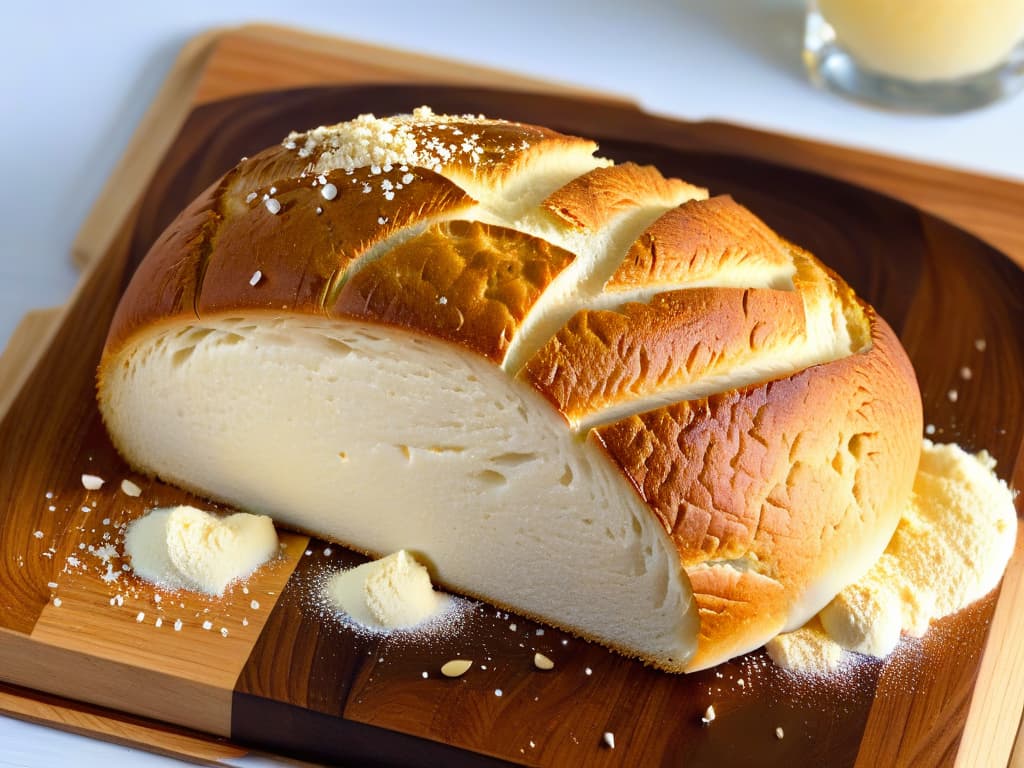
(807,650)
(456,667)
(92,482)
(128,488)
(540,661)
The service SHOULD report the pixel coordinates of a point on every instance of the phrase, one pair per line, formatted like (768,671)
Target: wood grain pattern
(986,720)
(87,720)
(932,281)
(906,262)
(54,529)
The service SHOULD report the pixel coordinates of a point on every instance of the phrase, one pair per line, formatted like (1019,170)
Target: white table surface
(77,77)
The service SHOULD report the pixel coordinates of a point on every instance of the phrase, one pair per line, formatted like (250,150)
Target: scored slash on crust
(619,361)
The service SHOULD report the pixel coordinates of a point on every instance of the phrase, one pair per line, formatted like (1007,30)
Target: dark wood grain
(312,687)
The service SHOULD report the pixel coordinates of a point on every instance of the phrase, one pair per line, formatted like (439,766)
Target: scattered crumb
(207,625)
(455,667)
(512,627)
(328,551)
(256,277)
(589,671)
(965,373)
(709,714)
(223,631)
(273,205)
(979,344)
(929,429)
(38,534)
(92,482)
(779,733)
(51,584)
(329,191)
(953,395)
(159,622)
(540,661)
(177,625)
(609,739)
(140,617)
(741,682)
(255,605)
(57,602)
(498,692)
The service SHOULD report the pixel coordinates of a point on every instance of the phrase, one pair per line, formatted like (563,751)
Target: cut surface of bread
(471,468)
(580,390)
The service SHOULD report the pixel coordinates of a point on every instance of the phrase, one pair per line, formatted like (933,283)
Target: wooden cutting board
(271,673)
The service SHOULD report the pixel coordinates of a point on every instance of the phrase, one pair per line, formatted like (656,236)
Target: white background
(76,77)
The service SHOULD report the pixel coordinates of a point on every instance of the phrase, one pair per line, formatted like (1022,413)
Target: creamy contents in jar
(926,39)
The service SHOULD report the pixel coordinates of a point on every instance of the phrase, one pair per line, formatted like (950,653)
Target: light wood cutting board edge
(197,77)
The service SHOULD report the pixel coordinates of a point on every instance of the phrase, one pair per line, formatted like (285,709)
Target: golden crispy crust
(781,478)
(602,358)
(466,282)
(696,242)
(302,273)
(589,202)
(472,151)
(205,262)
(771,493)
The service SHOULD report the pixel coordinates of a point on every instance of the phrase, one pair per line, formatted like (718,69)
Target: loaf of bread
(576,389)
